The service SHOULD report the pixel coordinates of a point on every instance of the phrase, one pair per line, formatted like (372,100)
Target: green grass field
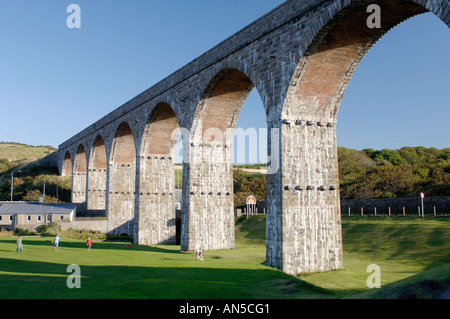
(413,255)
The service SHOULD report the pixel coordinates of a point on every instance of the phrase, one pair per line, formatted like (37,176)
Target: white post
(375,210)
(362,211)
(434,209)
(404,211)
(422,196)
(12,184)
(423,214)
(349,211)
(389,211)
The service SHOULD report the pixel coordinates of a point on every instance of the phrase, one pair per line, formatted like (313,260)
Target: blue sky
(56,81)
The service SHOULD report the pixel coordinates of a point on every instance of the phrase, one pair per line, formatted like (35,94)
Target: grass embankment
(413,255)
(19,153)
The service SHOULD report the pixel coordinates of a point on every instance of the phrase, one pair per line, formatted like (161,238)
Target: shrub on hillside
(83,234)
(52,229)
(24,232)
(6,233)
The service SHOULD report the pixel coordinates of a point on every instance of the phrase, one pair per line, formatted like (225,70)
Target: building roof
(30,208)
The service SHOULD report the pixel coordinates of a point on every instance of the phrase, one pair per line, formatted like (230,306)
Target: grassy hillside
(29,178)
(17,153)
(413,255)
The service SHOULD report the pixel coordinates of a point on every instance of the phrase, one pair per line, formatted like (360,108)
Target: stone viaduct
(300,57)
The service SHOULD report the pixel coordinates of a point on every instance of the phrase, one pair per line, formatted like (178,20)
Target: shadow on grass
(42,280)
(397,238)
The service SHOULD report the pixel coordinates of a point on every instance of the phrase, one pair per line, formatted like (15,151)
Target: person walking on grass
(19,244)
(89,243)
(55,242)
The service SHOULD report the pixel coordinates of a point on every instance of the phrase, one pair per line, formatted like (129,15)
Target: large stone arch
(208,201)
(257,76)
(326,67)
(156,215)
(306,235)
(97,173)
(122,181)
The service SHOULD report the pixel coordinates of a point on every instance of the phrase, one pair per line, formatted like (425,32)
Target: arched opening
(97,176)
(208,216)
(328,65)
(250,156)
(179,159)
(122,180)
(397,102)
(157,219)
(124,149)
(79,176)
(309,179)
(67,165)
(219,108)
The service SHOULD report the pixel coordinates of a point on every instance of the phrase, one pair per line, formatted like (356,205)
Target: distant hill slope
(17,153)
(29,177)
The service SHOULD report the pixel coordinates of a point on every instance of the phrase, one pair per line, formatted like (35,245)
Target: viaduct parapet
(300,58)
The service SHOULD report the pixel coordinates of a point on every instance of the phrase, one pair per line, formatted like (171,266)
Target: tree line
(363,174)
(373,174)
(394,173)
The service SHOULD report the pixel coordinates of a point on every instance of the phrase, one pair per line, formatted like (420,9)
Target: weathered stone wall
(157,201)
(96,197)
(208,215)
(97,176)
(121,199)
(79,187)
(310,221)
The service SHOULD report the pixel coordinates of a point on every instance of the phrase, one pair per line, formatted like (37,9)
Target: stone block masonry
(157,201)
(96,197)
(121,199)
(300,58)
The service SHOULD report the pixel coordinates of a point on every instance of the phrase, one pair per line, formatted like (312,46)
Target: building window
(29,219)
(10,218)
(39,218)
(62,217)
(0,218)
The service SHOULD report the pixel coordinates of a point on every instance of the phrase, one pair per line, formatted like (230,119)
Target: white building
(31,215)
